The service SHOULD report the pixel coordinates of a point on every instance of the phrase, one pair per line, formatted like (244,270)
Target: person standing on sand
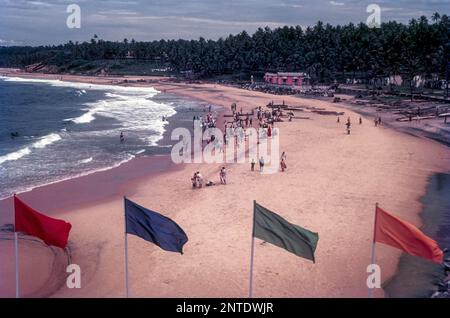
(376,122)
(379,121)
(283,165)
(253,164)
(348,124)
(223,176)
(261,164)
(360,120)
(283,161)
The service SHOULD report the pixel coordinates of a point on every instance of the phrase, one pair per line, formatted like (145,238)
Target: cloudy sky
(35,22)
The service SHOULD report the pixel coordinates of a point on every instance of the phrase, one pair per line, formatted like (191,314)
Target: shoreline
(219,95)
(436,222)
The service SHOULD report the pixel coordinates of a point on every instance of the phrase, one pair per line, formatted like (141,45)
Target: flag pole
(16,249)
(126,249)
(250,289)
(372,260)
(16,253)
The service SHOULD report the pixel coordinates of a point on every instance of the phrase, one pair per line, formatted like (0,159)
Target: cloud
(177,19)
(289,5)
(40,3)
(36,22)
(117,12)
(4,42)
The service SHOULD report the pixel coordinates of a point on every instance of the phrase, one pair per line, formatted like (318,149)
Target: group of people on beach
(283,163)
(377,121)
(348,124)
(197,179)
(236,130)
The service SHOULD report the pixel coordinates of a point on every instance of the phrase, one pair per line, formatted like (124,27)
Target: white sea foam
(87,160)
(135,112)
(15,155)
(140,151)
(40,144)
(85,86)
(46,140)
(89,115)
(83,119)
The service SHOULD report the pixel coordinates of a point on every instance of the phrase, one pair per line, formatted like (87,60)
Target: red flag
(400,234)
(51,231)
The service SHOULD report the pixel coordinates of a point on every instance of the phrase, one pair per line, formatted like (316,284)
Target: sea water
(52,130)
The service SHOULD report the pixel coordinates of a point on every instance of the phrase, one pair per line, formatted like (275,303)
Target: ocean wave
(87,160)
(46,140)
(140,151)
(150,91)
(15,155)
(40,144)
(83,119)
(135,112)
(89,115)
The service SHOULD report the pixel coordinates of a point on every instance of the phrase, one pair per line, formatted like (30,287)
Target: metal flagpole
(16,252)
(16,249)
(372,261)
(126,249)
(250,290)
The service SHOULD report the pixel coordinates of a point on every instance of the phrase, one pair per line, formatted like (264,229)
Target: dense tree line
(324,51)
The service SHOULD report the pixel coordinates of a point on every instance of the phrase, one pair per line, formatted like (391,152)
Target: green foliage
(324,51)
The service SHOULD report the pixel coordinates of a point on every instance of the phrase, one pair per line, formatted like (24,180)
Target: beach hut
(285,78)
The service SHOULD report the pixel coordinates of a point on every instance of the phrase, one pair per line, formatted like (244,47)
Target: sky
(43,22)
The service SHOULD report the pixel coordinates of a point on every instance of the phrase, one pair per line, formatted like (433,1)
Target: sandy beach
(331,186)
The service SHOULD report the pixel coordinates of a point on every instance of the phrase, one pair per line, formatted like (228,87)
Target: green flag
(272,228)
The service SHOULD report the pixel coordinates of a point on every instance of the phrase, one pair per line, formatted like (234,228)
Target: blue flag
(154,227)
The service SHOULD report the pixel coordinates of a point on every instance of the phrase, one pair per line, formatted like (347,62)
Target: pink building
(283,78)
